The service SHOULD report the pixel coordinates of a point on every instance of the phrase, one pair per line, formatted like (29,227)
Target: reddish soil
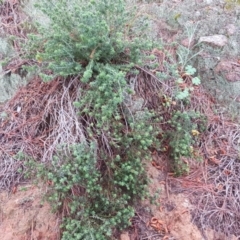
(24,216)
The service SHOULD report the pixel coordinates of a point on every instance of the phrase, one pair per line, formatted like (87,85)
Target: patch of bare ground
(171,216)
(23,216)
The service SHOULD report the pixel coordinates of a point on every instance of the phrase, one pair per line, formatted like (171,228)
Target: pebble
(217,40)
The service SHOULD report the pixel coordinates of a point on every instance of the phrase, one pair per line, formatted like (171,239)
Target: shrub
(183,137)
(97,182)
(82,33)
(97,191)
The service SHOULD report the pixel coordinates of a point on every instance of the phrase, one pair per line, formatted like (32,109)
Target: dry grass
(40,118)
(214,184)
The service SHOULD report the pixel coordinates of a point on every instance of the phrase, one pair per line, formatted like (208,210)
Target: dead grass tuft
(39,118)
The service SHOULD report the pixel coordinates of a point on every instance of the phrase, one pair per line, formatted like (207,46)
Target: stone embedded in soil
(216,40)
(5,48)
(230,69)
(208,1)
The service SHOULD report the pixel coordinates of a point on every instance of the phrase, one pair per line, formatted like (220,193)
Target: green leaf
(77,104)
(190,70)
(196,81)
(182,95)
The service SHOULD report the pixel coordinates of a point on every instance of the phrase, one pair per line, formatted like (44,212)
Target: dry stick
(151,74)
(147,72)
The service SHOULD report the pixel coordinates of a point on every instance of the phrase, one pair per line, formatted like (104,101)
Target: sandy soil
(24,216)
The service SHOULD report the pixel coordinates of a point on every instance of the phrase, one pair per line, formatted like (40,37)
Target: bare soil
(24,216)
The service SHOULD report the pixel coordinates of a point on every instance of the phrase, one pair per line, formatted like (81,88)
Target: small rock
(124,236)
(231,29)
(5,48)
(229,69)
(217,40)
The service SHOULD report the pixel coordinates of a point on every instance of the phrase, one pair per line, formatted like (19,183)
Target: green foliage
(186,127)
(104,95)
(189,70)
(82,33)
(184,94)
(181,95)
(97,182)
(231,4)
(98,191)
(196,81)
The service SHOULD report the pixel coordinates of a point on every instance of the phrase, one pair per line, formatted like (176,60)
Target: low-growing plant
(83,33)
(95,183)
(94,190)
(186,83)
(183,137)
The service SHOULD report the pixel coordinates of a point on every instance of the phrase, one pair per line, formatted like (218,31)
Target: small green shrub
(185,93)
(183,136)
(82,33)
(97,183)
(98,192)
